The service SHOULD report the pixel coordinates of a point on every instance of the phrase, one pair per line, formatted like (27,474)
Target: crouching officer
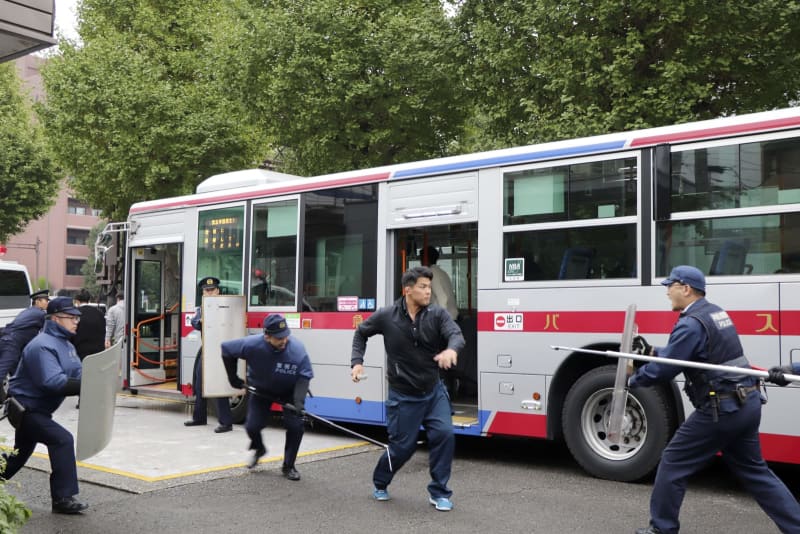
(49,371)
(279,369)
(727,409)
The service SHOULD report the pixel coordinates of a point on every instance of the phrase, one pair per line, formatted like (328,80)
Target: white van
(15,290)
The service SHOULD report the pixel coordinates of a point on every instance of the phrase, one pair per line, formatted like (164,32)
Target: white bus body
(15,290)
(545,245)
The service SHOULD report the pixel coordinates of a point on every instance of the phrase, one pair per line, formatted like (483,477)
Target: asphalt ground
(500,485)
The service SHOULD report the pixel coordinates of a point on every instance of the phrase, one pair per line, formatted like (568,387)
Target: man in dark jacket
(420,339)
(90,337)
(19,332)
(48,372)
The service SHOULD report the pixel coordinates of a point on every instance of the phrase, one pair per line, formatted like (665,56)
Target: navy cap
(275,326)
(208,282)
(686,274)
(62,305)
(41,294)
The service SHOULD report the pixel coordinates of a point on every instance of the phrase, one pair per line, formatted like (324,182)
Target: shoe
(380,495)
(649,530)
(68,505)
(192,422)
(223,428)
(290,473)
(443,504)
(256,456)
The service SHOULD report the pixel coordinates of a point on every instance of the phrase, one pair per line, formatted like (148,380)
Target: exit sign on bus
(515,270)
(508,321)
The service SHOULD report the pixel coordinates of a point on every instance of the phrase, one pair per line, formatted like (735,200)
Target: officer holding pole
(278,370)
(727,409)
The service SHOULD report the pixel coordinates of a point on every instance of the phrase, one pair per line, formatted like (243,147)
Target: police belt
(739,392)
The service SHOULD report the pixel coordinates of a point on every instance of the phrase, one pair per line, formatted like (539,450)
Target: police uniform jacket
(270,370)
(22,329)
(704,333)
(410,345)
(197,319)
(47,362)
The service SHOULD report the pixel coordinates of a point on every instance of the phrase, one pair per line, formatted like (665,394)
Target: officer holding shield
(49,371)
(727,409)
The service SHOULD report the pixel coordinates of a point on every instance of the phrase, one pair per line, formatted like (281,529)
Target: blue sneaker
(443,504)
(380,495)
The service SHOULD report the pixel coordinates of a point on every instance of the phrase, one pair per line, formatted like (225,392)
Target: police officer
(20,331)
(49,371)
(210,288)
(279,368)
(727,409)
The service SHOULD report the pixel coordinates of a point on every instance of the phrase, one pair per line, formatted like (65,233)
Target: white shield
(224,318)
(99,385)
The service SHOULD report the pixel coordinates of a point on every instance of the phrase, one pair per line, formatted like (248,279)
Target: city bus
(545,245)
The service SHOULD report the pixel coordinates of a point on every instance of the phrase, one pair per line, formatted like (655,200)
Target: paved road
(500,486)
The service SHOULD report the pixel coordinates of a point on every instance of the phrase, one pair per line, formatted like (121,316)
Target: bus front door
(155,322)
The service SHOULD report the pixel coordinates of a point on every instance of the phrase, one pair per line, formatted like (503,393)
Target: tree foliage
(346,84)
(138,112)
(28,179)
(557,69)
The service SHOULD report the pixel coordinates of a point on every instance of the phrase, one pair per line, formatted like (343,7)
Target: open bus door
(155,311)
(442,212)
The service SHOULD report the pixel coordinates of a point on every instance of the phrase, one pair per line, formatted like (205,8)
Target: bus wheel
(239,408)
(647,427)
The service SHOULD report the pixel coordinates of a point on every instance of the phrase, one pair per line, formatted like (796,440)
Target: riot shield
(619,397)
(224,318)
(99,385)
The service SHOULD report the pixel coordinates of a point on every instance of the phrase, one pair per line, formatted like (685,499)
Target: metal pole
(680,363)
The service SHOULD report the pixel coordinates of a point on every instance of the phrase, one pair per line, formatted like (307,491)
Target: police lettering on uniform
(210,288)
(727,409)
(49,371)
(279,369)
(20,331)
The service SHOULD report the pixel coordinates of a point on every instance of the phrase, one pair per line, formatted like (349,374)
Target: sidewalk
(150,448)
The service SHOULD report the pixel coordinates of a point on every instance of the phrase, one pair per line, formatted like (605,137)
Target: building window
(76,207)
(77,236)
(74,267)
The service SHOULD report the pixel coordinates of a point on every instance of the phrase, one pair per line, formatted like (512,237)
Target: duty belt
(739,393)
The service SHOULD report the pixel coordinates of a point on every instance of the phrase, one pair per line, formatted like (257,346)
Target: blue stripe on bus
(508,159)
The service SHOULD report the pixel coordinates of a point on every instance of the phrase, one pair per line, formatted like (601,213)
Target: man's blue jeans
(405,415)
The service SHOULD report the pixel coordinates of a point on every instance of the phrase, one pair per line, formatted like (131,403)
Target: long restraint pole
(679,363)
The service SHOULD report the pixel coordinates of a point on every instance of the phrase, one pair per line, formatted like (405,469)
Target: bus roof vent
(245,178)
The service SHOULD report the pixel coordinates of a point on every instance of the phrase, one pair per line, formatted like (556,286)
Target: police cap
(688,275)
(209,282)
(275,326)
(62,305)
(41,294)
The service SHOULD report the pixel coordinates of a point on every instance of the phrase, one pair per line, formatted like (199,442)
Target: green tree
(346,84)
(550,69)
(13,512)
(138,112)
(28,179)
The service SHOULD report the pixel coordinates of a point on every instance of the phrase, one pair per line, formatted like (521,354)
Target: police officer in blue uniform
(49,371)
(20,331)
(279,368)
(210,288)
(727,409)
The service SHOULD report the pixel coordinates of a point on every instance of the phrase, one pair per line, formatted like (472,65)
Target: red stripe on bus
(315,320)
(721,131)
(189,201)
(518,424)
(748,322)
(780,448)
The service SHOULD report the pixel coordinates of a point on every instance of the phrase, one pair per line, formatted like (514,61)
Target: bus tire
(648,427)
